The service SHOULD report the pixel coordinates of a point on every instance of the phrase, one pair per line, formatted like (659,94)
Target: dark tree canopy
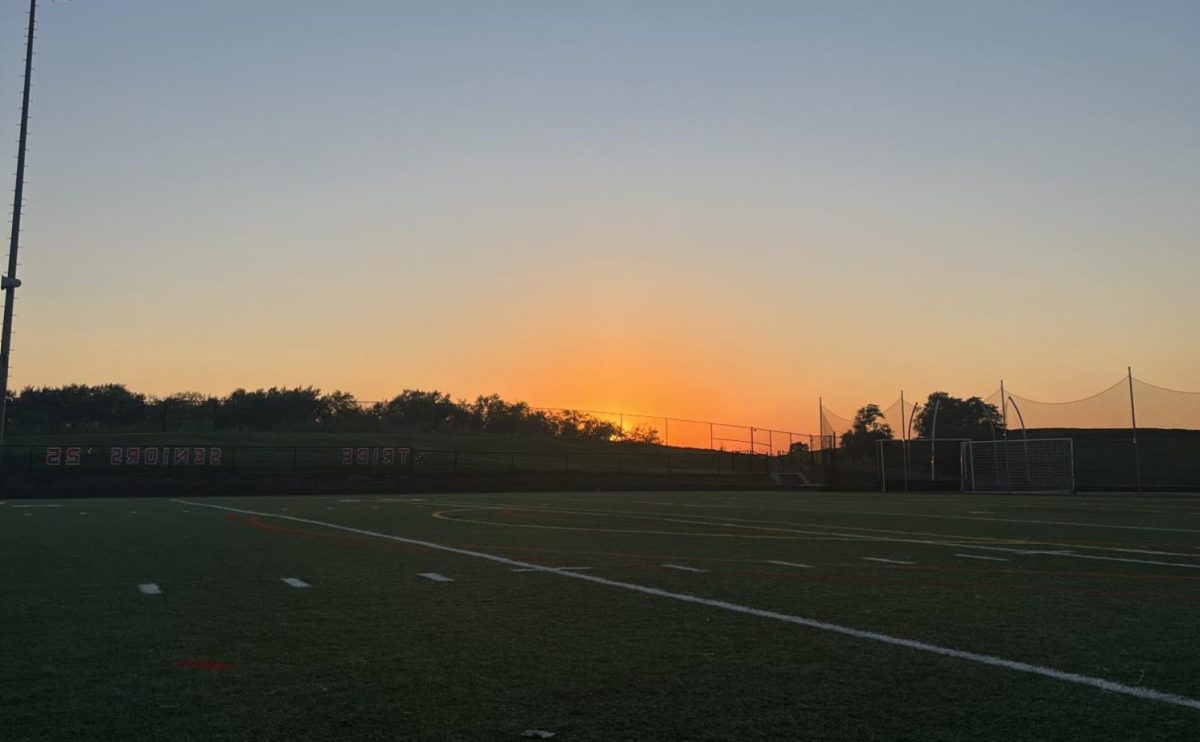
(867,428)
(958,418)
(112,407)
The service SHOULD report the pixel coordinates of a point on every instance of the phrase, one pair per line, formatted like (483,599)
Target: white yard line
(958,544)
(790,564)
(149,588)
(434,576)
(1011,520)
(38,505)
(886,561)
(529,569)
(295,582)
(943,540)
(682,568)
(1148,694)
(985,558)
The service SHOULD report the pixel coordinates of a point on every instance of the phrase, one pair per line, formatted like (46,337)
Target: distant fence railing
(715,436)
(67,460)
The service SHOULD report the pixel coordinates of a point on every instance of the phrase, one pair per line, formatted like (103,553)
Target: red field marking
(191,663)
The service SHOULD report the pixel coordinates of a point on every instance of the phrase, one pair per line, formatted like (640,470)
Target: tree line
(942,416)
(113,407)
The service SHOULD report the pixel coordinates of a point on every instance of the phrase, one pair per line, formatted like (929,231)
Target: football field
(601,616)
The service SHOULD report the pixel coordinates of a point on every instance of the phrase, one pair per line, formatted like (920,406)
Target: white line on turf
(1073,524)
(149,588)
(682,568)
(790,564)
(295,582)
(1142,692)
(957,543)
(39,505)
(886,561)
(976,556)
(529,569)
(436,577)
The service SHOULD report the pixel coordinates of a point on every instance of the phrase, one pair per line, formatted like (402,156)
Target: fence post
(1137,456)
(710,437)
(882,464)
(667,426)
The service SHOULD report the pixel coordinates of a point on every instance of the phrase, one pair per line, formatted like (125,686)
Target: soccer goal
(1034,465)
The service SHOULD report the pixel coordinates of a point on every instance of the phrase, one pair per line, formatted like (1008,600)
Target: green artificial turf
(374,651)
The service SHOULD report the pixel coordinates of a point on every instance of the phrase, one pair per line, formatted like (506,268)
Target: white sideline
(295,582)
(682,568)
(976,556)
(790,564)
(434,576)
(527,569)
(886,561)
(149,588)
(1148,694)
(39,505)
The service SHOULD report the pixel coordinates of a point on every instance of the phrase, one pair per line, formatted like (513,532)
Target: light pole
(9,281)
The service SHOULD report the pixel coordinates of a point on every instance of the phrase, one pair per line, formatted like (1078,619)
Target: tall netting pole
(9,282)
(1137,456)
(937,405)
(1003,408)
(904,439)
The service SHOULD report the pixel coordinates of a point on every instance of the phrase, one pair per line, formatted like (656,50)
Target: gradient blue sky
(699,208)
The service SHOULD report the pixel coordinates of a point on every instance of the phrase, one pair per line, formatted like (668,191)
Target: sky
(716,210)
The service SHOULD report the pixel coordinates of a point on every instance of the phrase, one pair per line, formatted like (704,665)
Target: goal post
(1033,465)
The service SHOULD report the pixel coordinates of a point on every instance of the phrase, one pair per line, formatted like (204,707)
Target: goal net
(1034,465)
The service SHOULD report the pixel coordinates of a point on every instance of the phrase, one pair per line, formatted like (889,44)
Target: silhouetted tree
(867,428)
(78,407)
(642,434)
(958,418)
